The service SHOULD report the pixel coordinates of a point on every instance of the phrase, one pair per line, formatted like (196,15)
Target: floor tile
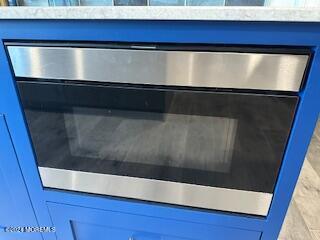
(294,227)
(307,196)
(309,182)
(313,154)
(306,200)
(317,130)
(315,235)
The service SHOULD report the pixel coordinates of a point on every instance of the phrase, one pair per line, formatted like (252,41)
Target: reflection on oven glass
(205,138)
(174,140)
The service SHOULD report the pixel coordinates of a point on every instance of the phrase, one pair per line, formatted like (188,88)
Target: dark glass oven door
(200,148)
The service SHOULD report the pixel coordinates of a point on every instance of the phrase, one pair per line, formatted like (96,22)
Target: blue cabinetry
(84,216)
(82,223)
(15,205)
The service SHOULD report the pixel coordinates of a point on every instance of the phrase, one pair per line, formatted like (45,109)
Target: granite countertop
(165,13)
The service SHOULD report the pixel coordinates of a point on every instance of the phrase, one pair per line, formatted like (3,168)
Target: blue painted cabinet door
(82,223)
(15,206)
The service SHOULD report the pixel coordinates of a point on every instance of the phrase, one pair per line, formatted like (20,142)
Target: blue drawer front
(88,223)
(84,231)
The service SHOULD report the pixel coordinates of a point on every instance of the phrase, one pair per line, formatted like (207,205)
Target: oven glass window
(202,137)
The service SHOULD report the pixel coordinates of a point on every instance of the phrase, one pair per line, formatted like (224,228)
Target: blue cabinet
(121,218)
(15,206)
(82,223)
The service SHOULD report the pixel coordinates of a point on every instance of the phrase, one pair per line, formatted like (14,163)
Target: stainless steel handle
(280,72)
(144,189)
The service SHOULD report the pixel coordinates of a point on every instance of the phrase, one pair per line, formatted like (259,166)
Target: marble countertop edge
(165,13)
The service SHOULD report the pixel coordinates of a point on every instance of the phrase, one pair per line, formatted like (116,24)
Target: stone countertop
(165,13)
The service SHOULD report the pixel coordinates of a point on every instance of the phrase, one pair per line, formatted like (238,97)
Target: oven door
(184,145)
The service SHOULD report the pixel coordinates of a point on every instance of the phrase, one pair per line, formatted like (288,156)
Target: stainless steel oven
(197,126)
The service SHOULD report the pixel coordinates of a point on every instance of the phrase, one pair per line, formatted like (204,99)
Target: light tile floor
(303,217)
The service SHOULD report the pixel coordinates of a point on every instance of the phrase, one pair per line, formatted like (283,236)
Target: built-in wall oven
(196,126)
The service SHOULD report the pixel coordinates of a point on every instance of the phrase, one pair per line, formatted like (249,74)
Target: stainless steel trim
(159,191)
(282,72)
